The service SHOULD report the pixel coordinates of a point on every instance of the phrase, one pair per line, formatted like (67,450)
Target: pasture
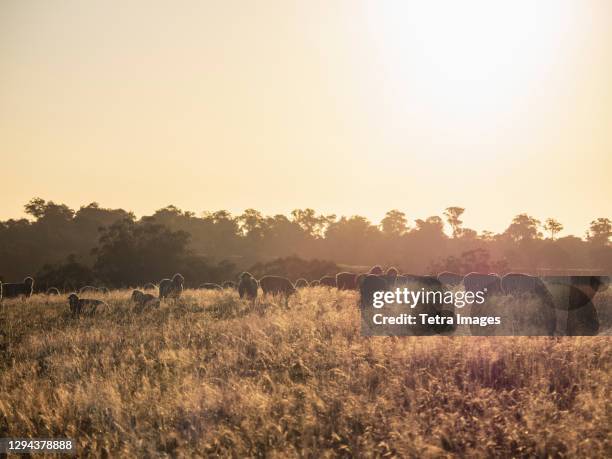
(210,374)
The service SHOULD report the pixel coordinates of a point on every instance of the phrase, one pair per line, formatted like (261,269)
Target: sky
(348,107)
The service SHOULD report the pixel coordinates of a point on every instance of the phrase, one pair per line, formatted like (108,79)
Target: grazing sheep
(346,281)
(475,282)
(391,276)
(359,279)
(83,305)
(301,283)
(450,279)
(277,285)
(247,287)
(210,286)
(328,281)
(229,285)
(589,285)
(376,270)
(52,291)
(315,283)
(171,288)
(371,283)
(428,282)
(582,321)
(533,314)
(14,290)
(149,286)
(143,300)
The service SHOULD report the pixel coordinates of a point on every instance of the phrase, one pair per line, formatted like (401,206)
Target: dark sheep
(143,300)
(248,286)
(450,279)
(582,321)
(391,276)
(371,283)
(171,288)
(277,285)
(149,286)
(567,296)
(229,285)
(477,282)
(52,291)
(84,305)
(589,285)
(346,281)
(301,283)
(376,270)
(210,286)
(328,281)
(520,284)
(359,280)
(420,281)
(14,290)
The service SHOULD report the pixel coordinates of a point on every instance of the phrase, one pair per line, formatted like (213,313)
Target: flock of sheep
(578,290)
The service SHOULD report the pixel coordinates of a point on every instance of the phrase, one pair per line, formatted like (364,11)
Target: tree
(433,225)
(553,226)
(600,231)
(523,228)
(394,224)
(131,254)
(48,211)
(252,223)
(312,224)
(453,215)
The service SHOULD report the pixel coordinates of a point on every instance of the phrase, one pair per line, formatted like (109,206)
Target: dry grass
(210,375)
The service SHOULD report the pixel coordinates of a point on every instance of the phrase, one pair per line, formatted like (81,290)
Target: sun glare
(471,64)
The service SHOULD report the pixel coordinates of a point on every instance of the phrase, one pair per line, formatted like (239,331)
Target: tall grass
(212,375)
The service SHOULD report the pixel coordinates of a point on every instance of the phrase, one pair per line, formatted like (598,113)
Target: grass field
(211,375)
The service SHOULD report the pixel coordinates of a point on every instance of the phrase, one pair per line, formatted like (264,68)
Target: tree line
(61,246)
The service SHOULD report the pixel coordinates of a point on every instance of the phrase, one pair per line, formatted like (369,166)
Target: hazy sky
(344,106)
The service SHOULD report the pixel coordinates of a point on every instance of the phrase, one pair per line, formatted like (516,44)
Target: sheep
(142,300)
(475,282)
(328,281)
(301,283)
(534,314)
(229,285)
(210,286)
(450,279)
(359,279)
(276,285)
(14,290)
(589,285)
(52,291)
(247,287)
(84,305)
(370,284)
(346,281)
(149,286)
(430,282)
(391,276)
(171,288)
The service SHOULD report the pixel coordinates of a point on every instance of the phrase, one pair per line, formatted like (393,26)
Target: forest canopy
(94,244)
